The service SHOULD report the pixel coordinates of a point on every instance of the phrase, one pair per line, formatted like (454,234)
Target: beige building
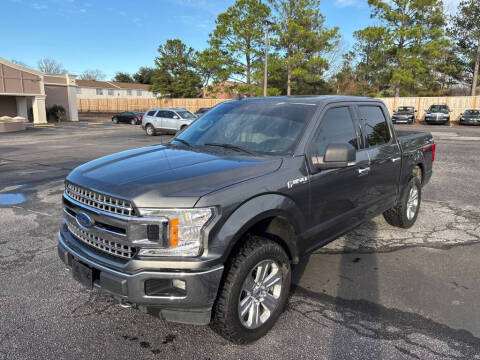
(27,93)
(93,89)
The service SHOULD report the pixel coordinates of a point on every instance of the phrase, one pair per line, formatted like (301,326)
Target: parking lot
(377,293)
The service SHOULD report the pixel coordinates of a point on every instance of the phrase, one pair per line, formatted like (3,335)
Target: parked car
(205,228)
(166,120)
(132,117)
(404,114)
(438,114)
(470,117)
(201,111)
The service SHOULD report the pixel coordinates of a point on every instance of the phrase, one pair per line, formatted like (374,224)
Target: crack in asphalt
(407,331)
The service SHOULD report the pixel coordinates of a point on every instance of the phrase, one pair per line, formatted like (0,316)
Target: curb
(43,125)
(95,123)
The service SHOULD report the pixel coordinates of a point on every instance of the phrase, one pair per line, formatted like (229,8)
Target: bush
(56,112)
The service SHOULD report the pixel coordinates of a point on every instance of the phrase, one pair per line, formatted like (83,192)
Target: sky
(122,35)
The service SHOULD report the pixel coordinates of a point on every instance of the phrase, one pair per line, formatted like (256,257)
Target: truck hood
(165,176)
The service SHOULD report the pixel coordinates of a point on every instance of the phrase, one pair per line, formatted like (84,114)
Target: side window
(160,114)
(336,127)
(376,128)
(168,114)
(151,113)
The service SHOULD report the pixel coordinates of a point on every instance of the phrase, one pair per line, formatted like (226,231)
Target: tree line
(414,49)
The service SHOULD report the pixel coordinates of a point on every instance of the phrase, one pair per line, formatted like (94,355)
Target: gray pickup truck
(206,228)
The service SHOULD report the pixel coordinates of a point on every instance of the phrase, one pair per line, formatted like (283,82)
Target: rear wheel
(405,213)
(150,130)
(133,122)
(115,120)
(254,291)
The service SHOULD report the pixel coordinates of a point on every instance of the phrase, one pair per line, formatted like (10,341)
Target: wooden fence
(456,103)
(121,104)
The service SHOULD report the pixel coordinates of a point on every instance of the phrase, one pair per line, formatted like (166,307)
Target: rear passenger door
(385,157)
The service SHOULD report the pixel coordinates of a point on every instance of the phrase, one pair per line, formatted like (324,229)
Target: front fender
(251,212)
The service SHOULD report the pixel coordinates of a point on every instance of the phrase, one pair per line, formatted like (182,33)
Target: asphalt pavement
(377,293)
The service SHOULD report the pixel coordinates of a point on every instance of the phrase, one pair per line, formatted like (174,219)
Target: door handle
(364,171)
(395,159)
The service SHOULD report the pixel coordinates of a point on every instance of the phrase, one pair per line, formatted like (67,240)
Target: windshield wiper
(185,142)
(230,146)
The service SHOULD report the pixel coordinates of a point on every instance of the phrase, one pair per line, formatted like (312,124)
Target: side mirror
(336,156)
(175,117)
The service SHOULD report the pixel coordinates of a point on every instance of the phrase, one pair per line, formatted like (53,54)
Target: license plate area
(82,273)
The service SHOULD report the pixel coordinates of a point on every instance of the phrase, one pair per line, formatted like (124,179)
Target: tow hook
(125,304)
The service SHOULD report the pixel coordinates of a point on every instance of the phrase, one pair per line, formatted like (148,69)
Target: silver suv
(166,120)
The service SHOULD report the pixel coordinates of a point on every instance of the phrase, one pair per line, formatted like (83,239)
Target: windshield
(439,108)
(184,114)
(268,127)
(405,109)
(472,112)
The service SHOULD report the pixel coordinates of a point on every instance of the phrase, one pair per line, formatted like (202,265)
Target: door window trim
(362,125)
(356,129)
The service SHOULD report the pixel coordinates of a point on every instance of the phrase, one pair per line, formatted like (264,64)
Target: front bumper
(194,307)
(402,120)
(470,121)
(434,120)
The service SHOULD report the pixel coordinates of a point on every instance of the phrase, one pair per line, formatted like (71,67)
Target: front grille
(99,201)
(108,246)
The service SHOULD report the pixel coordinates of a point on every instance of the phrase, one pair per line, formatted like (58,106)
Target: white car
(166,120)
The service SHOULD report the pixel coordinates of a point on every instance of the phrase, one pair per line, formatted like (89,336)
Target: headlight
(178,231)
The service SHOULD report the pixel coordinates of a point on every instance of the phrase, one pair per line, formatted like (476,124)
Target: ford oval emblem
(84,220)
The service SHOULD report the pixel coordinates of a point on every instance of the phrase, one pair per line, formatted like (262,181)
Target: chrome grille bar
(99,201)
(108,246)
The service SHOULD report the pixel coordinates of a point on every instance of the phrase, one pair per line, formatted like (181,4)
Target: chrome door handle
(363,171)
(395,159)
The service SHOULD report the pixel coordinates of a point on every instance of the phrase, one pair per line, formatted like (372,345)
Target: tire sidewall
(267,252)
(152,131)
(413,181)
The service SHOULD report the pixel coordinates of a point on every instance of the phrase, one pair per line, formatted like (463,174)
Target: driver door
(336,195)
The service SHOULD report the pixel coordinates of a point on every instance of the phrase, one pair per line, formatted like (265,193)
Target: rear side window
(151,113)
(376,128)
(335,127)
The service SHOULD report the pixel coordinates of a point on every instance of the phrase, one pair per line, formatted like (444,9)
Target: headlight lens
(184,234)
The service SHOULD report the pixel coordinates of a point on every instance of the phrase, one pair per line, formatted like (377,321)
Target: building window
(99,91)
(110,92)
(139,92)
(79,90)
(129,92)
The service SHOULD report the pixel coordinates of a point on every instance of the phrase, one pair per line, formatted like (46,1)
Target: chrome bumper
(194,307)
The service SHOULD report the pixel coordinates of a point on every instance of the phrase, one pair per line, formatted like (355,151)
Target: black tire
(226,318)
(115,120)
(133,122)
(398,215)
(150,130)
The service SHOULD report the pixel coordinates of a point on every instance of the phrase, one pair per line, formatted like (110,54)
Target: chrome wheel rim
(149,130)
(260,294)
(412,202)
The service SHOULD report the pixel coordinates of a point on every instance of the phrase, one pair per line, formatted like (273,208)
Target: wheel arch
(277,223)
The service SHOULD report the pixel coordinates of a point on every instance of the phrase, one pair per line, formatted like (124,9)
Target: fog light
(165,287)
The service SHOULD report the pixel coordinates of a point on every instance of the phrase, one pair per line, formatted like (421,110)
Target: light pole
(265,75)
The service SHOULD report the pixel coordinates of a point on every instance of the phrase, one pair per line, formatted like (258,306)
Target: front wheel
(254,291)
(150,130)
(405,213)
